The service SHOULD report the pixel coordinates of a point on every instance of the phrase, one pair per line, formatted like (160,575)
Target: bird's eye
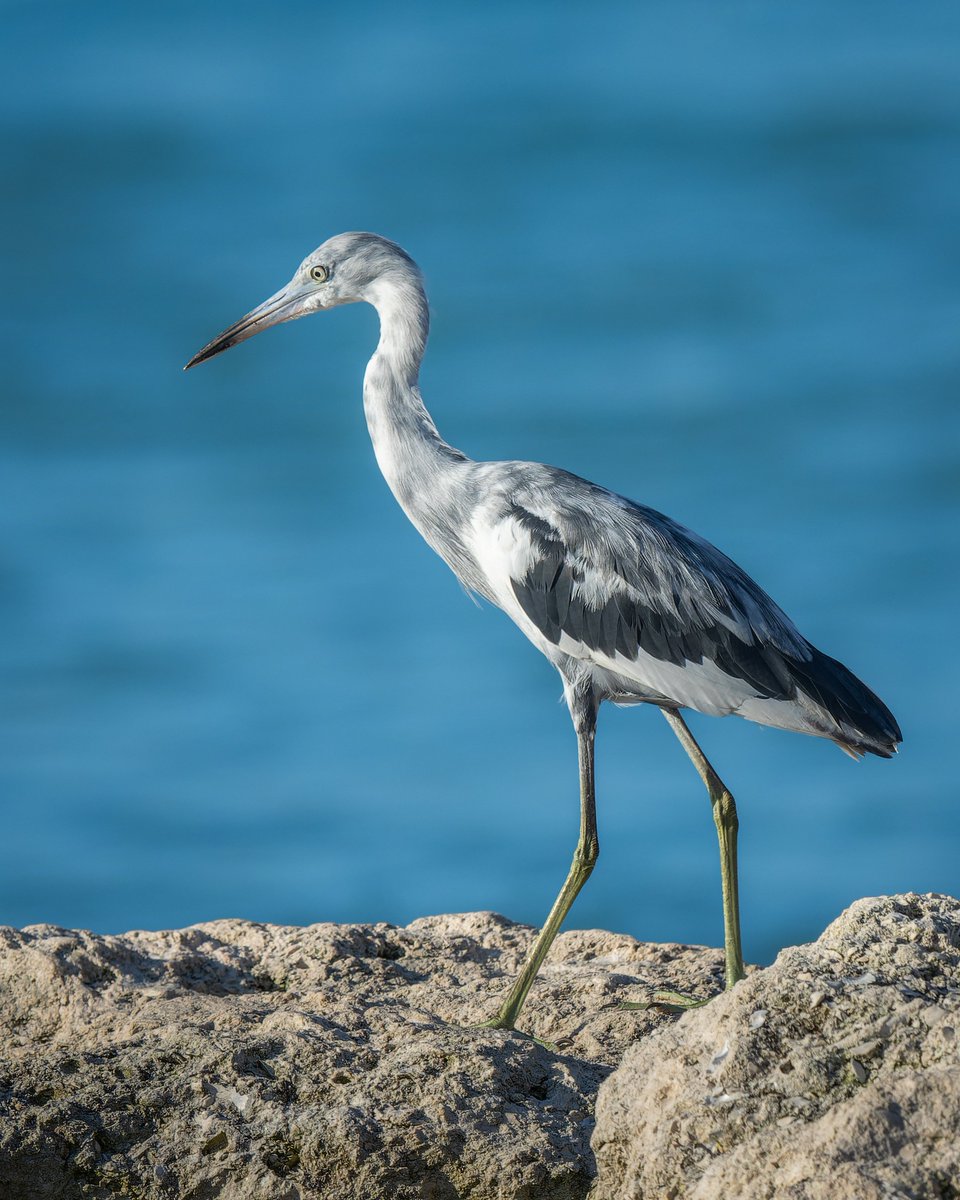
(320,274)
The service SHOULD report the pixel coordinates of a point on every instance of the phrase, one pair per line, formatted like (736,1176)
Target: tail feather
(864,723)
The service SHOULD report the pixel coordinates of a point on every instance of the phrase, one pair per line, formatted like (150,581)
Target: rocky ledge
(236,1060)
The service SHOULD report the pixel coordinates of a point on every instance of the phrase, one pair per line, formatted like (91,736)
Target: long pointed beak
(286,305)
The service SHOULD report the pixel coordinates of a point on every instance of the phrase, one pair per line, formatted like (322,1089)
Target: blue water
(708,256)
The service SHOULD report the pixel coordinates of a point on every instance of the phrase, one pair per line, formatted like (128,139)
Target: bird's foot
(679,1002)
(494,1023)
(669,1001)
(500,1023)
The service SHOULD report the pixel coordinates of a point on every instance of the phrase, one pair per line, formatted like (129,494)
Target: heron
(627,604)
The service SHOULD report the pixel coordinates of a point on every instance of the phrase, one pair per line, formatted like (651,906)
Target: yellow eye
(320,274)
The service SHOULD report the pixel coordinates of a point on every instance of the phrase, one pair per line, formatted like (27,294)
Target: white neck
(401,305)
(410,451)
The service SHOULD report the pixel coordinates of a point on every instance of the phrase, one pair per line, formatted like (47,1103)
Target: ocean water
(707,257)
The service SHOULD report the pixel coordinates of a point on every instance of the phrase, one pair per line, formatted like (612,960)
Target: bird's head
(344,270)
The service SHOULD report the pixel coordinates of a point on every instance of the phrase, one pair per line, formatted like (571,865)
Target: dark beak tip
(271,312)
(202,356)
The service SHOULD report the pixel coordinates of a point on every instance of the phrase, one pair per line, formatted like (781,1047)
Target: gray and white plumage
(621,599)
(654,613)
(627,604)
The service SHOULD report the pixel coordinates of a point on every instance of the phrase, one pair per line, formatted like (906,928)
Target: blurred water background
(707,256)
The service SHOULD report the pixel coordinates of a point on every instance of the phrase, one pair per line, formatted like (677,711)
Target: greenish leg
(727,823)
(584,859)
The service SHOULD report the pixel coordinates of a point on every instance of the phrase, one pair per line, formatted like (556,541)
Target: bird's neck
(414,458)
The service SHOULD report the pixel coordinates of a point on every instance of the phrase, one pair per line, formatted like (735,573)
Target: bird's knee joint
(587,854)
(725,811)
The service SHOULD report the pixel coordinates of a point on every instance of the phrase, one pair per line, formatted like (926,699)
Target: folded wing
(627,589)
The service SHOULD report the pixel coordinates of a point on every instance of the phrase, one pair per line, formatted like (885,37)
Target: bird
(628,605)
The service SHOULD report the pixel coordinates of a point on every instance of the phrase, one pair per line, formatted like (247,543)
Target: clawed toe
(668,1000)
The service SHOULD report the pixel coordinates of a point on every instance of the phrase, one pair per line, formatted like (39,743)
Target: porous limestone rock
(832,1075)
(240,1061)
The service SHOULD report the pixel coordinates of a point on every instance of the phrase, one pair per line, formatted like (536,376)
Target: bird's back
(654,611)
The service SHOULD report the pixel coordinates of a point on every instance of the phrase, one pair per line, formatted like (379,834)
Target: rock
(833,1074)
(236,1060)
(251,1062)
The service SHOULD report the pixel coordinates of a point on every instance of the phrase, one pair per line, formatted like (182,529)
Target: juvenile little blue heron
(628,605)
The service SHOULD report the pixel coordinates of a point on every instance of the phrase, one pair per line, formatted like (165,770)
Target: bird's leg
(584,859)
(727,823)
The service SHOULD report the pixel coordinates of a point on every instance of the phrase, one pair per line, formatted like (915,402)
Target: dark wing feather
(618,577)
(656,592)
